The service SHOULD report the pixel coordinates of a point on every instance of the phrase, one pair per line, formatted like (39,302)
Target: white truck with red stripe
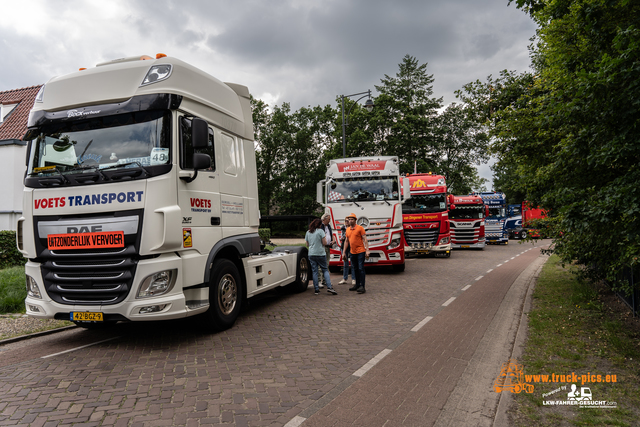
(369,187)
(141,198)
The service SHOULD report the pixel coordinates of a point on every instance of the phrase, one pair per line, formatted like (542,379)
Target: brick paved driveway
(285,354)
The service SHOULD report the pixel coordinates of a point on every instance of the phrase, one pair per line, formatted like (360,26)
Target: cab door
(199,196)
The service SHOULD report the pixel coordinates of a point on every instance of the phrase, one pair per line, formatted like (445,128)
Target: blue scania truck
(495,231)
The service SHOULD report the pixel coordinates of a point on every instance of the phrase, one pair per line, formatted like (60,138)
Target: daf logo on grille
(84,229)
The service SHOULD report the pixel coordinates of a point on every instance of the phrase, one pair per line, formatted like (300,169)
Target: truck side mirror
(406,188)
(200,161)
(199,134)
(319,192)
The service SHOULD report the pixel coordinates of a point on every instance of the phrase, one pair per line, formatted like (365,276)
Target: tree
(404,117)
(290,156)
(571,129)
(460,145)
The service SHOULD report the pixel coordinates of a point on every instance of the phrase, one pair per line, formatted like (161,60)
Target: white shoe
(321,286)
(353,282)
(342,282)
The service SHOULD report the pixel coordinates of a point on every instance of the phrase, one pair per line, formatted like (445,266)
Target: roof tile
(15,124)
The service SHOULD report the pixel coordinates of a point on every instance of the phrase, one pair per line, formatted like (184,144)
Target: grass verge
(581,328)
(12,290)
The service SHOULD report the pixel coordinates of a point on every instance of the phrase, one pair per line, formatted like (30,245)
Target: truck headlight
(32,288)
(394,243)
(444,241)
(157,284)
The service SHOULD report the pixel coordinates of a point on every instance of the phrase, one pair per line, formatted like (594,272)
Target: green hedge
(265,234)
(9,255)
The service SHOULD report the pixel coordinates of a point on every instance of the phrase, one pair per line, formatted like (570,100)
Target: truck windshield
(497,212)
(466,212)
(422,203)
(140,139)
(363,189)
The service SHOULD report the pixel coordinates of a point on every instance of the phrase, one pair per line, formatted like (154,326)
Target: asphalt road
(287,354)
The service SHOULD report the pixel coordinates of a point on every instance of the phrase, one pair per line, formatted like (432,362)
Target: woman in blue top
(316,241)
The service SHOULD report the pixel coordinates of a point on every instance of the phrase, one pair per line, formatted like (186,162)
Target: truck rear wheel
(225,295)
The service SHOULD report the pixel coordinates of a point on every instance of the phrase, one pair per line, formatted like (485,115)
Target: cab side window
(186,149)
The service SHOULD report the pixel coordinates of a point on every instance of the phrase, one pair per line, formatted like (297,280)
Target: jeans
(321,262)
(345,270)
(357,263)
(327,251)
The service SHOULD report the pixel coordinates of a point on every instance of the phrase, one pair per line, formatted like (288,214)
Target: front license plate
(86,316)
(465,246)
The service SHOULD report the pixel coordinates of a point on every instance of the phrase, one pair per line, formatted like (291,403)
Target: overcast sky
(305,52)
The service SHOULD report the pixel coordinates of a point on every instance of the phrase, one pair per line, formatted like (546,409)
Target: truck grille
(95,278)
(421,236)
(465,235)
(89,276)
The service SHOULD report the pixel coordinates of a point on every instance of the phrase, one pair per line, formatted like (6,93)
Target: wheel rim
(227,294)
(304,270)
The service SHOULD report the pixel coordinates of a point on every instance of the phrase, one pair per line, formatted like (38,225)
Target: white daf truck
(141,198)
(368,187)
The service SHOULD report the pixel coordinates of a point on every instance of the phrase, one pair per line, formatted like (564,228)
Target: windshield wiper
(135,162)
(52,181)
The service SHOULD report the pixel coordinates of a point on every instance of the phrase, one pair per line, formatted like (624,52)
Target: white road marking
(421,324)
(449,301)
(371,363)
(295,421)
(78,348)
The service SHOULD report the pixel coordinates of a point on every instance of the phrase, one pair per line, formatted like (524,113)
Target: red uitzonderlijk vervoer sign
(104,239)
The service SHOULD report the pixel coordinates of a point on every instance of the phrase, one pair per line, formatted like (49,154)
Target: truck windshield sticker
(363,189)
(106,239)
(159,156)
(334,195)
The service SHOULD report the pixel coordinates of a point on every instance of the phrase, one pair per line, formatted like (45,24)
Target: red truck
(425,217)
(523,228)
(466,219)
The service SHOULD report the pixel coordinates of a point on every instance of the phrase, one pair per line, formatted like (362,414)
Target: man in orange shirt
(357,247)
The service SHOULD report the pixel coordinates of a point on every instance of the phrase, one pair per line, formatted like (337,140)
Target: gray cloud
(297,51)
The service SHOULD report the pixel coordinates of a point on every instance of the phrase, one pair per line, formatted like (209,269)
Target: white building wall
(12,168)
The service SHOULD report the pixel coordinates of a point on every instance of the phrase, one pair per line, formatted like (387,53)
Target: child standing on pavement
(316,241)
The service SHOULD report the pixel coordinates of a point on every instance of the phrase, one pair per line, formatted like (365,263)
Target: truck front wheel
(225,295)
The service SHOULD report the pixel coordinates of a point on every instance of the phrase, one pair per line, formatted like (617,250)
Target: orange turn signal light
(160,55)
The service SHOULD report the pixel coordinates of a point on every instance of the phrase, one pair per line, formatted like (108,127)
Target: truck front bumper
(172,305)
(427,249)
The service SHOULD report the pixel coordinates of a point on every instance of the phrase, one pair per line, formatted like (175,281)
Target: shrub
(9,254)
(265,234)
